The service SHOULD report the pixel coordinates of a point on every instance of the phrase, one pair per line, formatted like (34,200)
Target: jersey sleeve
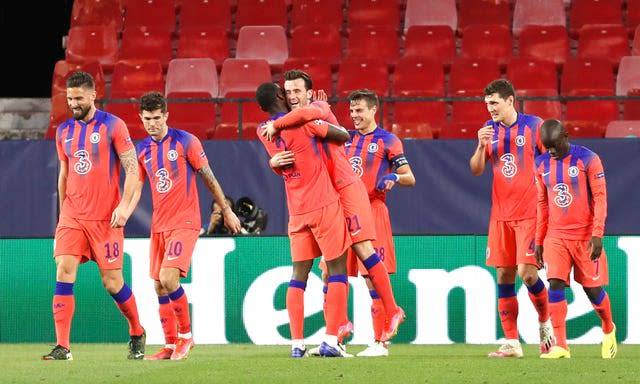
(121,138)
(318,128)
(598,187)
(395,153)
(542,210)
(195,154)
(299,116)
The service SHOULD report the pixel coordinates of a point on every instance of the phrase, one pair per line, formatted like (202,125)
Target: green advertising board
(237,289)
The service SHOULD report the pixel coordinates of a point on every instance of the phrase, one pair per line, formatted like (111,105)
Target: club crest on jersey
(573,171)
(372,148)
(172,155)
(95,137)
(520,140)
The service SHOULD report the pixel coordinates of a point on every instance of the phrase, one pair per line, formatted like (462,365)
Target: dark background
(31,44)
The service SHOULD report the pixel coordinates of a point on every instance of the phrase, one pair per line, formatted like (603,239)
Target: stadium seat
(549,43)
(63,69)
(192,78)
(538,12)
(632,106)
(584,75)
(628,78)
(243,75)
(211,42)
(317,12)
(59,113)
(635,44)
(469,77)
(431,42)
(261,12)
(159,14)
(583,12)
(146,43)
(461,130)
(584,129)
(374,42)
(205,14)
(487,42)
(373,12)
(322,42)
(412,131)
(131,79)
(360,73)
(432,13)
(527,74)
(97,12)
(485,12)
(418,77)
(252,115)
(603,41)
(623,128)
(318,69)
(93,43)
(268,42)
(633,16)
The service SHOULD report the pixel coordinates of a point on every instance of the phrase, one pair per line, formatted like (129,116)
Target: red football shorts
(561,255)
(511,243)
(90,240)
(357,211)
(383,244)
(320,232)
(172,249)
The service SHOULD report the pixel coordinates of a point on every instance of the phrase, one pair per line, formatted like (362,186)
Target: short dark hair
(151,101)
(267,95)
(367,95)
(81,79)
(293,74)
(502,87)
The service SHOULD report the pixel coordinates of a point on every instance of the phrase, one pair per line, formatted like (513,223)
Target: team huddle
(549,209)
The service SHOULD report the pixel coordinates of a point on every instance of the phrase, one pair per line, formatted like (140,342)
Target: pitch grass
(247,363)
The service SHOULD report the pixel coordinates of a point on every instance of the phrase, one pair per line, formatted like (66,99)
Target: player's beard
(82,114)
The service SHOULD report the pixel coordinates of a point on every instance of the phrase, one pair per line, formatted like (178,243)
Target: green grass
(247,363)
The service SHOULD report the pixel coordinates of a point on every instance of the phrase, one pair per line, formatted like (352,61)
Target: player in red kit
(92,146)
(171,158)
(316,220)
(377,157)
(511,141)
(572,208)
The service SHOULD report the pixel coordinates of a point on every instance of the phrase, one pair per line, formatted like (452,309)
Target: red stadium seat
(623,128)
(528,74)
(131,79)
(63,69)
(146,43)
(431,42)
(160,14)
(317,42)
(549,43)
(373,12)
(97,12)
(584,129)
(317,12)
(243,75)
(580,76)
(59,113)
(261,12)
(633,16)
(603,41)
(416,77)
(536,12)
(319,70)
(432,13)
(486,12)
(252,115)
(635,45)
(374,42)
(487,42)
(357,74)
(628,78)
(268,42)
(211,42)
(192,78)
(460,131)
(469,77)
(205,14)
(412,131)
(93,43)
(582,12)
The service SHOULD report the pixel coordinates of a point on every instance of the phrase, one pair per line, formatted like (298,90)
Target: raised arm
(231,221)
